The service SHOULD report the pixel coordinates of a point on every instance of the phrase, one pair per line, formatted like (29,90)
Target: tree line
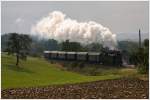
(22,45)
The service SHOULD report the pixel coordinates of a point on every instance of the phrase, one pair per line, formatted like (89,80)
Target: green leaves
(18,44)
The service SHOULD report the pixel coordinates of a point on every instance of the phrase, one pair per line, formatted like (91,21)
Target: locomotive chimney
(139,38)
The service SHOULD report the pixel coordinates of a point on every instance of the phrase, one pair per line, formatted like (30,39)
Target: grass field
(39,72)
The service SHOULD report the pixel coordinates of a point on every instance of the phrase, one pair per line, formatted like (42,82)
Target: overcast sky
(122,18)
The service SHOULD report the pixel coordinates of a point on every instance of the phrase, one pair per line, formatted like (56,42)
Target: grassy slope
(38,72)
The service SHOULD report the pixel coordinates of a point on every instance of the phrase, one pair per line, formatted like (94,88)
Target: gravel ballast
(120,89)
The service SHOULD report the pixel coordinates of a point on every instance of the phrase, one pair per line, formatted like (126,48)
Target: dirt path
(119,88)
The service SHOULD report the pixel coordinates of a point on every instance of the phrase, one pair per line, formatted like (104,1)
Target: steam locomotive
(111,57)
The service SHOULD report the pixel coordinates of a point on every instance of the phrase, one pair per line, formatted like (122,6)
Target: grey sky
(122,18)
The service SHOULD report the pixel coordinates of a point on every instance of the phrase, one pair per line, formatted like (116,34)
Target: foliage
(93,71)
(142,69)
(81,65)
(18,44)
(4,40)
(74,64)
(37,45)
(141,57)
(70,46)
(128,46)
(75,46)
(94,47)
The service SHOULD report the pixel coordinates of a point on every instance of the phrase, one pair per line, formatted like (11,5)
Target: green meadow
(39,72)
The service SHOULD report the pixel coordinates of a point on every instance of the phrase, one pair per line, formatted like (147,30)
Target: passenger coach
(110,57)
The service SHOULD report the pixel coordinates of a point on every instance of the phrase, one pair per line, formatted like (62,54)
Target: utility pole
(139,38)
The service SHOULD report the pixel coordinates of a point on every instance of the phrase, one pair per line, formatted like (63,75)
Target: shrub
(94,72)
(142,69)
(90,71)
(52,62)
(74,64)
(63,64)
(81,65)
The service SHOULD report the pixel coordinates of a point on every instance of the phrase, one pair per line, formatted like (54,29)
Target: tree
(51,44)
(4,39)
(94,47)
(141,57)
(18,44)
(146,52)
(71,46)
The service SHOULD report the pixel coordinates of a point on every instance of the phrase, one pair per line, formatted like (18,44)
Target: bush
(69,65)
(142,69)
(63,64)
(81,65)
(74,64)
(52,62)
(90,71)
(94,72)
(35,55)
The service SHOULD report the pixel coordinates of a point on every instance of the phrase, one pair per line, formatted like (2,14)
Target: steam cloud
(58,26)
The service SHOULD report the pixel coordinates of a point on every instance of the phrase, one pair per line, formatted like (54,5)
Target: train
(111,57)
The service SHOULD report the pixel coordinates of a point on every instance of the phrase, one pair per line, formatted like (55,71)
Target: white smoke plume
(57,26)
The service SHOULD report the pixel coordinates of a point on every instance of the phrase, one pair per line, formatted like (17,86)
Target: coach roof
(71,52)
(82,52)
(93,53)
